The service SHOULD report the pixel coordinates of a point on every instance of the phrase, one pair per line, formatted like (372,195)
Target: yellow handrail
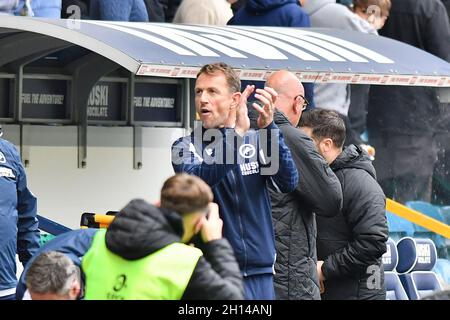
(418,218)
(103,219)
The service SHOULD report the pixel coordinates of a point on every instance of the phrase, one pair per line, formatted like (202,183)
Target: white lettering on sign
(26,98)
(154,102)
(98,112)
(99,96)
(423,253)
(43,98)
(98,102)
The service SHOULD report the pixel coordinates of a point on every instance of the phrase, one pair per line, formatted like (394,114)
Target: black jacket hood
(354,157)
(140,229)
(260,6)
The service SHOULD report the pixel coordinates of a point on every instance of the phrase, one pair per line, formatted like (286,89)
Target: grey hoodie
(8,6)
(329,14)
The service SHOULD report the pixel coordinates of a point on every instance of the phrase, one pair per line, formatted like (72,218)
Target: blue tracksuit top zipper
(241,226)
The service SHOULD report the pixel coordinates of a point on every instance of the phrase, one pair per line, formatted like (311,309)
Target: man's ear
(199,224)
(297,107)
(236,97)
(328,144)
(75,290)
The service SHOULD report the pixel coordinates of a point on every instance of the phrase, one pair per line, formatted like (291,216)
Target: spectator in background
(40,8)
(351,244)
(293,214)
(279,13)
(373,15)
(374,12)
(53,276)
(19,233)
(335,96)
(209,12)
(161,10)
(118,10)
(236,4)
(72,244)
(144,253)
(402,121)
(8,6)
(156,10)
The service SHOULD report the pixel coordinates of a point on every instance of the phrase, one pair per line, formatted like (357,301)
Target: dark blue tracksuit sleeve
(27,226)
(74,244)
(186,158)
(285,178)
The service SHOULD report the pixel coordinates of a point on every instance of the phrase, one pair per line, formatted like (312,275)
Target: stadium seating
(394,288)
(445,212)
(442,268)
(420,232)
(399,227)
(417,257)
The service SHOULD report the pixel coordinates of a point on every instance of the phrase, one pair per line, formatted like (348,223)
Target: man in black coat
(402,120)
(293,214)
(349,245)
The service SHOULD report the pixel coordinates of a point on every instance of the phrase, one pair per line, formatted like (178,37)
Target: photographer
(144,252)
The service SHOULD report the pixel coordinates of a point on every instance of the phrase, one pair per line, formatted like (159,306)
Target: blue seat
(442,268)
(420,232)
(427,209)
(445,212)
(399,227)
(417,258)
(394,288)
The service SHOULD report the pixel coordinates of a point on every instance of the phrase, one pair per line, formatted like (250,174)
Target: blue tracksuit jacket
(240,187)
(18,223)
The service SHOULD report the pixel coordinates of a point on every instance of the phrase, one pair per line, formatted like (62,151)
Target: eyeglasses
(305,102)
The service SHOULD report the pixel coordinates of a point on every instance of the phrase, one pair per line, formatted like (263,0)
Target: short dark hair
(234,83)
(184,193)
(324,124)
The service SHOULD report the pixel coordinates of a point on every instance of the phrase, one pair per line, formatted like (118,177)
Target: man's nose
(204,97)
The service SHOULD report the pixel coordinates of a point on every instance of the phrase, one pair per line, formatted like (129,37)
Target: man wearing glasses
(318,192)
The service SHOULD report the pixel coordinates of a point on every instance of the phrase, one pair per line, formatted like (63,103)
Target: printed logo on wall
(2,158)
